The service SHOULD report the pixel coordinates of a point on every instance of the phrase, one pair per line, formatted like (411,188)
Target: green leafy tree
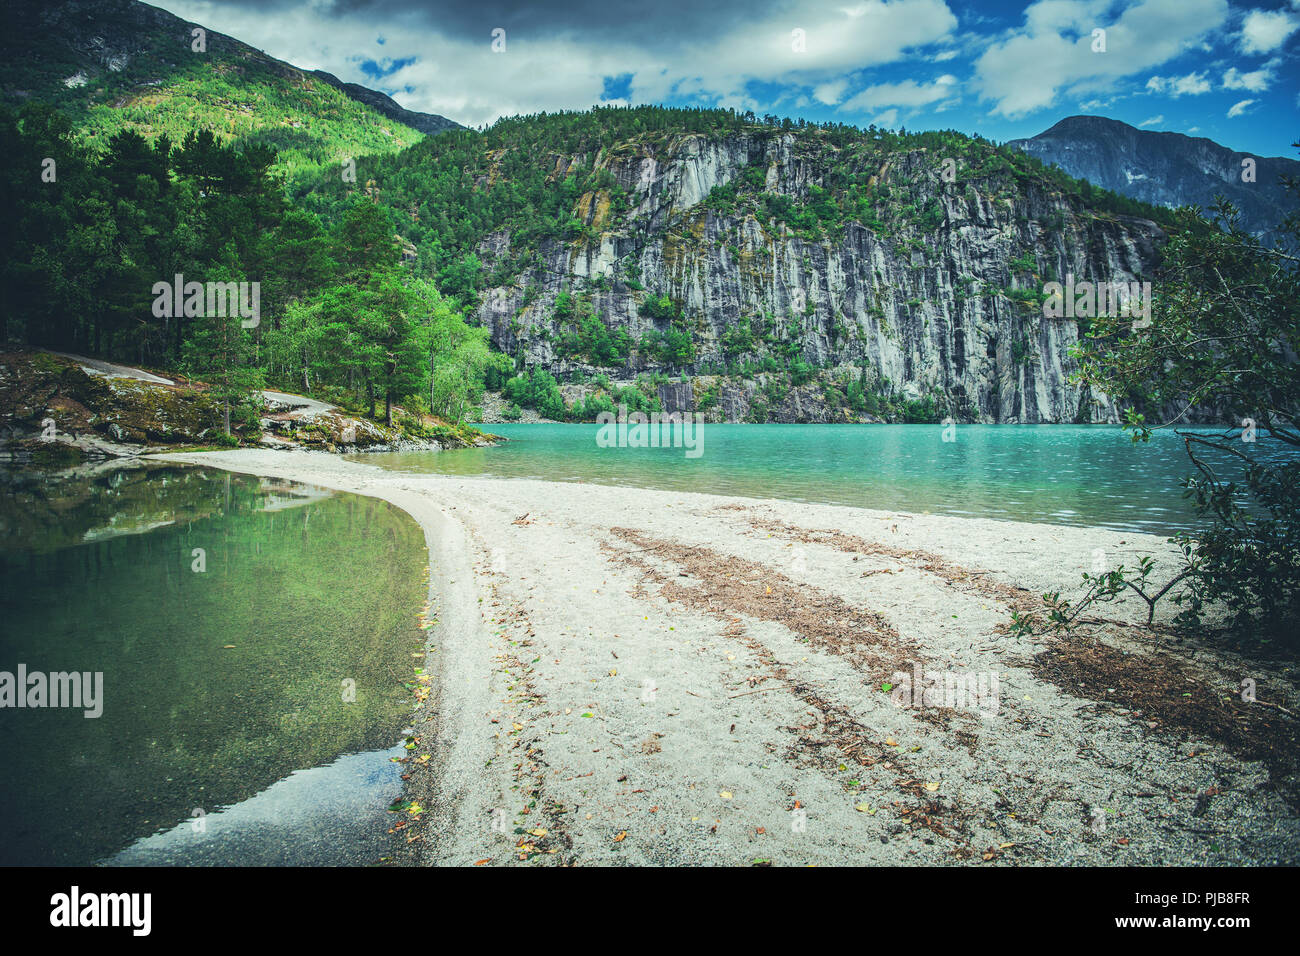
(458,356)
(219,352)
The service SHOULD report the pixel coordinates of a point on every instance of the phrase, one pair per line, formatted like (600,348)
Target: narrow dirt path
(114,371)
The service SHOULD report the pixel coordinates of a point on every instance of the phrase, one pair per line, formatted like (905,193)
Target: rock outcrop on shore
(58,410)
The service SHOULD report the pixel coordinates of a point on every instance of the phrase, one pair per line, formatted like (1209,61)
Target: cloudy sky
(1226,70)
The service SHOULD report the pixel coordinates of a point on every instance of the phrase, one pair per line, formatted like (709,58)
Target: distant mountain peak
(1166,168)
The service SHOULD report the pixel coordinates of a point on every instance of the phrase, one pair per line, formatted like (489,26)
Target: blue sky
(1226,70)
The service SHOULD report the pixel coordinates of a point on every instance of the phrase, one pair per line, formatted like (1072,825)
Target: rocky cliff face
(939,297)
(1166,169)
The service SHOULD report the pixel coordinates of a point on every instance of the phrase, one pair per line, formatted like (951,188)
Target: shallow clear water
(1061,474)
(223,688)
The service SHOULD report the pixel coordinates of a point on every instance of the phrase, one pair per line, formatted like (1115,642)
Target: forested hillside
(755,268)
(749,268)
(139,147)
(115,65)
(679,259)
(338,313)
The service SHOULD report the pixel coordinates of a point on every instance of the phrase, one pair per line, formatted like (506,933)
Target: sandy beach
(627,676)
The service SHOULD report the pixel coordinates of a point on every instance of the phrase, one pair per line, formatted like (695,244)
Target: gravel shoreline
(630,676)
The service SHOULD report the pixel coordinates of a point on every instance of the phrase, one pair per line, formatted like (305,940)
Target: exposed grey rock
(920,311)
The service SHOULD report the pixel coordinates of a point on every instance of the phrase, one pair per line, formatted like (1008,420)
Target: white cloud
(830,93)
(1153,121)
(1192,84)
(464,80)
(908,93)
(1046,60)
(1256,81)
(1238,108)
(1266,30)
(1053,52)
(837,41)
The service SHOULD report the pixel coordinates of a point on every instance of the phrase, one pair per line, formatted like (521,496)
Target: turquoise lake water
(1061,474)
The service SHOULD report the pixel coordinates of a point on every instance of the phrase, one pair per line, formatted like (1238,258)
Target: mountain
(1166,169)
(120,64)
(754,272)
(427,123)
(682,259)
